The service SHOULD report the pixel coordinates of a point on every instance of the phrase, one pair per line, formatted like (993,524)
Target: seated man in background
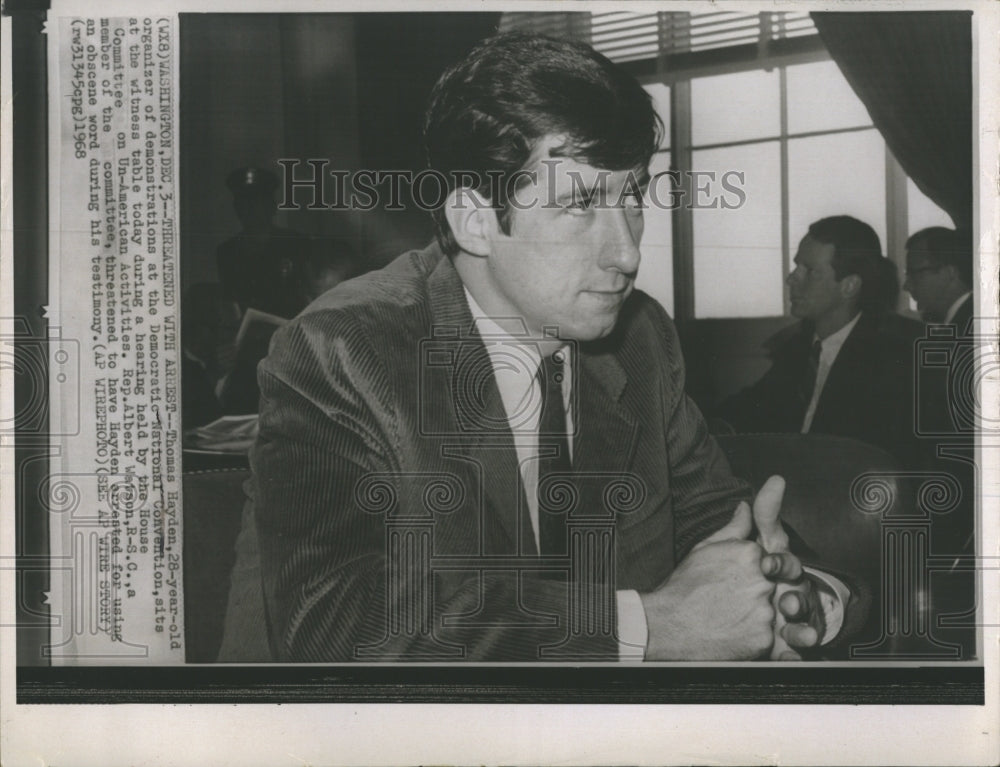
(939,275)
(939,278)
(436,437)
(847,368)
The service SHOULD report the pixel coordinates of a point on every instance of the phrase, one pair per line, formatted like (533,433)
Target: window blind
(625,36)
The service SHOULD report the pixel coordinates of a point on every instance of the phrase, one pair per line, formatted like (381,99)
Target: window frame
(779,41)
(677,72)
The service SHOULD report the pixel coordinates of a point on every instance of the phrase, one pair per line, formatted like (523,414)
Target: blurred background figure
(263,266)
(939,275)
(210,320)
(939,278)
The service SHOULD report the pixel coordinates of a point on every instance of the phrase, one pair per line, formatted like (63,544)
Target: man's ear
(952,272)
(850,286)
(472,220)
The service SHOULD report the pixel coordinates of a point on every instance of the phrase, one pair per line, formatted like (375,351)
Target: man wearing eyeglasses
(939,278)
(939,275)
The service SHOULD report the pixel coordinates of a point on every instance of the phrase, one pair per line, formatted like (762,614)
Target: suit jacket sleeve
(329,420)
(704,492)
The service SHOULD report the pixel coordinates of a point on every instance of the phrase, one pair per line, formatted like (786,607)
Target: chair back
(838,491)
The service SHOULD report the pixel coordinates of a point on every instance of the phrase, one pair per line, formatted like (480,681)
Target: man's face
(572,254)
(813,287)
(925,282)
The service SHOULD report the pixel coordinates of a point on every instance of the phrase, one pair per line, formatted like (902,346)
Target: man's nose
(623,237)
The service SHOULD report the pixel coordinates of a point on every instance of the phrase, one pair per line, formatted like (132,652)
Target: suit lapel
(963,317)
(482,435)
(491,446)
(843,376)
(606,431)
(790,351)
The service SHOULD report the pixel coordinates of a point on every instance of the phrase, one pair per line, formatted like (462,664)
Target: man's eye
(583,203)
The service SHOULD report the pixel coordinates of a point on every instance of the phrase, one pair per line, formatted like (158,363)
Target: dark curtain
(913,71)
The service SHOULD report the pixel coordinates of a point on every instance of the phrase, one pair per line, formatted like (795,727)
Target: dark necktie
(553,449)
(809,374)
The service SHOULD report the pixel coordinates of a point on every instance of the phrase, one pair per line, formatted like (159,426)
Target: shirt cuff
(633,632)
(833,598)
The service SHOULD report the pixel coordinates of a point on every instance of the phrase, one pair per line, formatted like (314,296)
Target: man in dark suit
(847,367)
(939,278)
(939,275)
(484,450)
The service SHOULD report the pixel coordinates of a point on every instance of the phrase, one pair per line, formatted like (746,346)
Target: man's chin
(594,332)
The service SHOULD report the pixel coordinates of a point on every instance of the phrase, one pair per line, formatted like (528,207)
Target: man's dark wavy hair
(487,112)
(857,250)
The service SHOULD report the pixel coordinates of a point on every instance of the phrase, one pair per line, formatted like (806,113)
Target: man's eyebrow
(578,191)
(637,181)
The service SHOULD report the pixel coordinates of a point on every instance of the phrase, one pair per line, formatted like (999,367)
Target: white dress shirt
(953,309)
(515,365)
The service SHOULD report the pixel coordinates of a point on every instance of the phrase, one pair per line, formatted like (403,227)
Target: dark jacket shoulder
(873,331)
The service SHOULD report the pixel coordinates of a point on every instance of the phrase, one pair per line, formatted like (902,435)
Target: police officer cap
(252,181)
